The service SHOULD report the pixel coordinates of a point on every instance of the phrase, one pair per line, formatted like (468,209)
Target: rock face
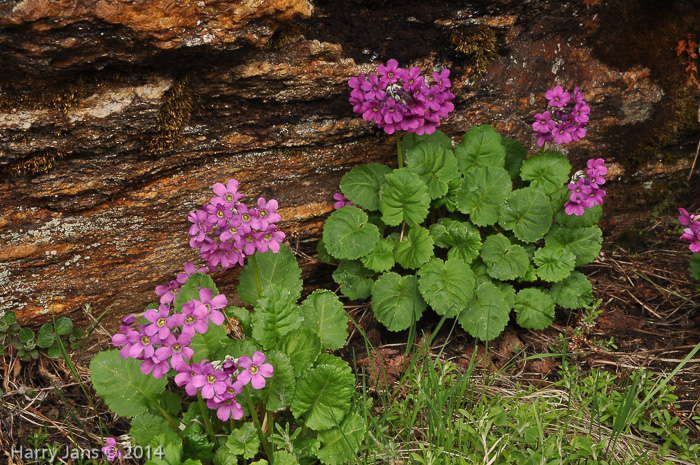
(117,117)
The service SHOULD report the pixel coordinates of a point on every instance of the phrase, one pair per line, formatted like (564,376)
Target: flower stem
(398,148)
(257,275)
(205,416)
(256,423)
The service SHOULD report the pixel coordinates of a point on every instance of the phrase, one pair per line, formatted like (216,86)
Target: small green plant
(474,231)
(591,314)
(26,343)
(254,384)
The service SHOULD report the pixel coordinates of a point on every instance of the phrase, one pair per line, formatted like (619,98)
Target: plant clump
(474,230)
(248,375)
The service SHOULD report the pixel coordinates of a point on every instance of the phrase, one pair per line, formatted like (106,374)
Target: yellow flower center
(253,370)
(228,197)
(161,322)
(263,213)
(190,319)
(211,379)
(145,340)
(220,214)
(246,217)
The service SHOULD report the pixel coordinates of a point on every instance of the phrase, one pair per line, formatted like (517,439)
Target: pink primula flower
(255,370)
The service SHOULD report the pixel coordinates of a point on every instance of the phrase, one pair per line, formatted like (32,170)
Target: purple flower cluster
(692,233)
(567,119)
(163,341)
(585,188)
(400,99)
(226,230)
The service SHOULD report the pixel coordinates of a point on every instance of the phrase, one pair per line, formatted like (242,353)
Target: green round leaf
(25,335)
(64,326)
(573,292)
(341,444)
(528,213)
(279,389)
(534,309)
(126,391)
(323,313)
(381,258)
(435,165)
(404,197)
(482,192)
(396,301)
(515,155)
(348,235)
(416,248)
(554,263)
(280,268)
(244,441)
(323,397)
(546,171)
(504,260)
(354,279)
(446,286)
(10,317)
(480,147)
(275,315)
(361,184)
(45,338)
(487,314)
(584,243)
